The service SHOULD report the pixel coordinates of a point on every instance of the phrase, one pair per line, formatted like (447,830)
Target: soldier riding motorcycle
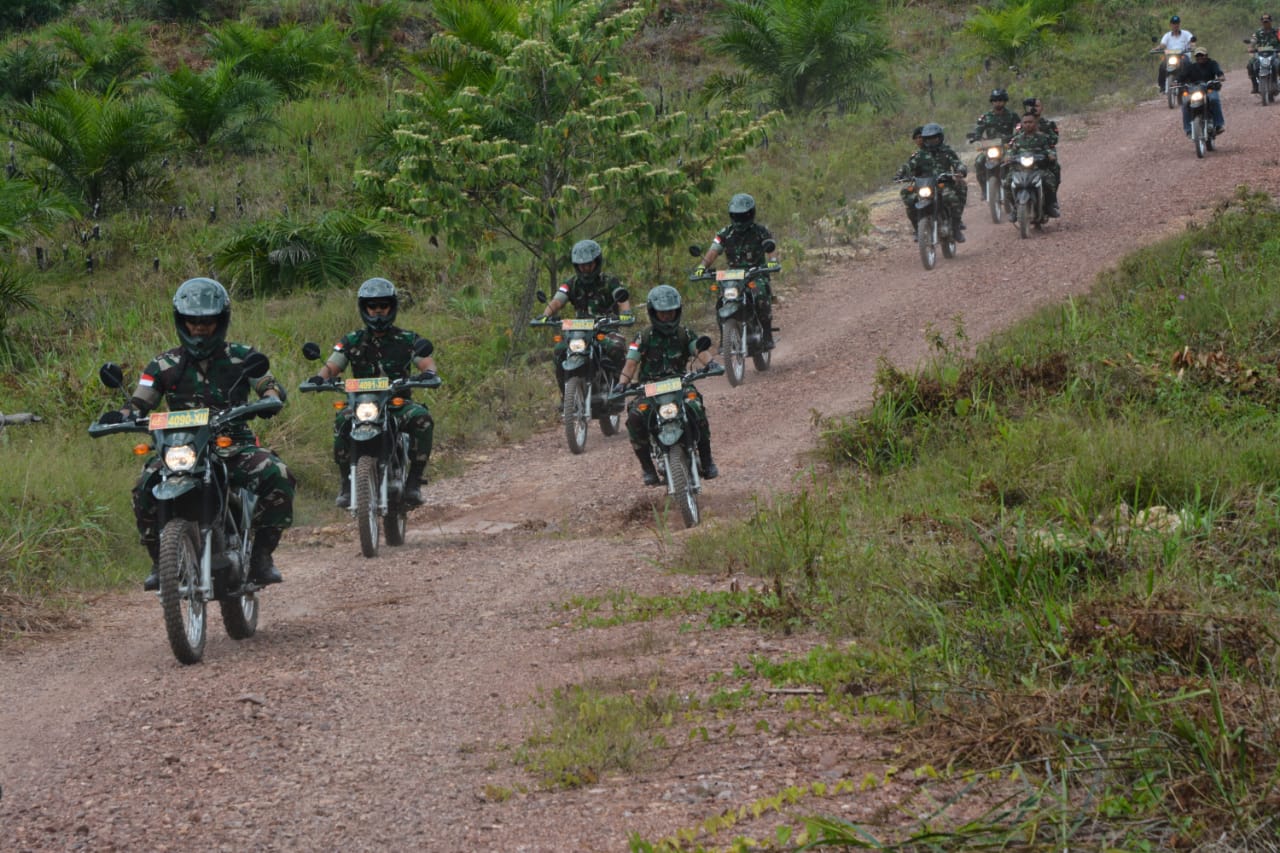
(738,311)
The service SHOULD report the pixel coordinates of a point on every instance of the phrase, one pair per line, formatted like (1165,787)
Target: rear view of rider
(1176,39)
(743,244)
(933,158)
(592,294)
(1263,37)
(382,348)
(1203,70)
(661,351)
(997,123)
(205,371)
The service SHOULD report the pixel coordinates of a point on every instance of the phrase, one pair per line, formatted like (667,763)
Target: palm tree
(220,106)
(24,211)
(804,54)
(102,55)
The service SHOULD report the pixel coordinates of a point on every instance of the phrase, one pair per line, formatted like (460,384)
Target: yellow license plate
(178,420)
(664,386)
(371,383)
(578,325)
(730,275)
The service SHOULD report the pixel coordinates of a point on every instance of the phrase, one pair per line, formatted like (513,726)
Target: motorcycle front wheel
(734,348)
(1024,219)
(993,199)
(185,615)
(575,414)
(1264,89)
(367,505)
(1172,93)
(924,236)
(681,485)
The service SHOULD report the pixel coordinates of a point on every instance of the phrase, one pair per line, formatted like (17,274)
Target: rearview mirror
(703,344)
(256,365)
(111,375)
(311,350)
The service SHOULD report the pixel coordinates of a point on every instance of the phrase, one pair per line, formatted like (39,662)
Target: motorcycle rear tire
(1024,219)
(993,199)
(924,236)
(611,424)
(240,609)
(762,359)
(395,524)
(575,414)
(682,486)
(185,615)
(367,505)
(949,246)
(735,364)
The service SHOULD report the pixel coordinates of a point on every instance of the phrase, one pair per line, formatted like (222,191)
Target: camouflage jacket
(1266,38)
(742,247)
(992,125)
(387,354)
(591,299)
(217,383)
(1034,143)
(933,161)
(662,355)
(1047,127)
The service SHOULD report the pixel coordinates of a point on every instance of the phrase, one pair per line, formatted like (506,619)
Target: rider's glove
(317,380)
(425,376)
(113,417)
(619,388)
(699,270)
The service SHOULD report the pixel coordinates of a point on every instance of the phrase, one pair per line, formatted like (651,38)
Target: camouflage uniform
(662,356)
(1049,128)
(934,161)
(389,354)
(592,296)
(215,383)
(743,247)
(991,125)
(1262,38)
(1037,143)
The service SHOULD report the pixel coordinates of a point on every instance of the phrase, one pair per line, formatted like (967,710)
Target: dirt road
(382,703)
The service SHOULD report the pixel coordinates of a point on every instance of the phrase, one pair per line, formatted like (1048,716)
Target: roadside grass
(1052,561)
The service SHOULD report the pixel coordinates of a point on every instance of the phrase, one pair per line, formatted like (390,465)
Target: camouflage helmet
(742,209)
(587,252)
(201,298)
(932,130)
(664,297)
(377,290)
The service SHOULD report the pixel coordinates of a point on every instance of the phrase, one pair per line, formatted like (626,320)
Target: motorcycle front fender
(573,362)
(365,432)
(729,309)
(670,433)
(174,487)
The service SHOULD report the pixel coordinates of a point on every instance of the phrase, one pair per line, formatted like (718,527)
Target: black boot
(152,583)
(646,465)
(766,326)
(957,230)
(708,467)
(413,484)
(262,569)
(344,489)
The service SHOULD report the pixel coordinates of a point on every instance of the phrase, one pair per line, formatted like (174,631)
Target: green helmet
(664,297)
(742,209)
(201,298)
(587,252)
(377,290)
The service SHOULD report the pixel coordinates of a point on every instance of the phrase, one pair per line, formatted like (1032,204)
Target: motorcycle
(588,373)
(1202,129)
(742,332)
(1026,192)
(206,532)
(933,223)
(379,448)
(672,430)
(1175,62)
(1268,70)
(993,173)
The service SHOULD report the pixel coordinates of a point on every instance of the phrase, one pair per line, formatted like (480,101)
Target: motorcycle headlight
(1196,97)
(1027,160)
(366,412)
(731,293)
(1173,62)
(993,153)
(667,411)
(926,192)
(577,345)
(180,458)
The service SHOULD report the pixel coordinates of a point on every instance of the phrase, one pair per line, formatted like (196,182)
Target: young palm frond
(219,107)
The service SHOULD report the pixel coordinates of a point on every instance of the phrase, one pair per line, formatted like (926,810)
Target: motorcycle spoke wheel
(762,359)
(367,505)
(993,199)
(734,361)
(1172,96)
(575,414)
(240,609)
(185,615)
(924,236)
(681,486)
(1024,219)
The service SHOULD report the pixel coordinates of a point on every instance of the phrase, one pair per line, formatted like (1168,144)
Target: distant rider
(997,123)
(1176,39)
(592,294)
(659,352)
(382,348)
(1031,140)
(934,157)
(742,242)
(206,372)
(1263,37)
(1204,70)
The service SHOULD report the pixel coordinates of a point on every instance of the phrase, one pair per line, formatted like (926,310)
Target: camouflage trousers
(252,467)
(412,417)
(638,422)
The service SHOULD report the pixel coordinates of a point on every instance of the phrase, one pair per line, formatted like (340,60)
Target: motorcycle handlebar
(142,422)
(751,272)
(339,386)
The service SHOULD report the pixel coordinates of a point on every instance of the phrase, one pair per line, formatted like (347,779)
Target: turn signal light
(397,401)
(557,338)
(141,449)
(222,441)
(338,405)
(599,336)
(692,395)
(643,407)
